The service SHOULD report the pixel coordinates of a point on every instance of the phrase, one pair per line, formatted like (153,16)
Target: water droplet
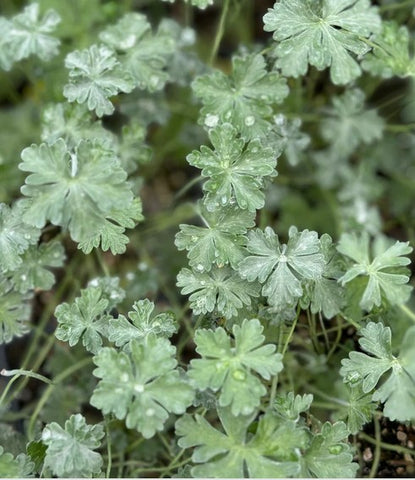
(23,277)
(200,267)
(249,120)
(27,236)
(228,115)
(239,375)
(193,238)
(279,119)
(139,388)
(353,377)
(154,81)
(130,276)
(224,200)
(211,120)
(335,449)
(202,282)
(124,377)
(265,98)
(150,412)
(128,42)
(142,266)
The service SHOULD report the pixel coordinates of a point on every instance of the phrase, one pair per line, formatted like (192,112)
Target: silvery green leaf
(244,98)
(70,451)
(95,75)
(220,290)
(322,33)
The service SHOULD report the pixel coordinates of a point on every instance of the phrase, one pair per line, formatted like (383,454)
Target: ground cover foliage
(207,223)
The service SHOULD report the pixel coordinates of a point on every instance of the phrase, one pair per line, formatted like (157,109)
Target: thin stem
(102,264)
(321,394)
(387,446)
(408,312)
(396,5)
(48,392)
(220,31)
(26,373)
(109,448)
(188,186)
(376,457)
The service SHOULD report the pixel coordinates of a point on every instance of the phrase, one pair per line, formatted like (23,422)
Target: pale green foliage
(142,54)
(110,288)
(87,318)
(70,451)
(11,467)
(80,191)
(386,275)
(231,366)
(14,312)
(15,236)
(196,3)
(282,267)
(26,34)
(286,136)
(271,453)
(290,407)
(220,241)
(322,33)
(109,233)
(221,290)
(140,324)
(142,386)
(33,273)
(324,294)
(95,75)
(358,409)
(397,389)
(329,455)
(244,98)
(390,57)
(73,123)
(236,169)
(348,124)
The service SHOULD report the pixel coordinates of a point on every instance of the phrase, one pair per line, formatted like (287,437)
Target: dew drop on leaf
(239,375)
(249,120)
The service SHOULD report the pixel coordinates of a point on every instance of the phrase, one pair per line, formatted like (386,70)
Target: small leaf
(70,451)
(229,368)
(95,75)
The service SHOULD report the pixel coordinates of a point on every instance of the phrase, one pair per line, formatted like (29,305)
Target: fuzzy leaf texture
(220,242)
(236,169)
(390,56)
(329,455)
(348,124)
(322,33)
(33,273)
(15,236)
(140,324)
(142,386)
(26,34)
(221,290)
(79,191)
(87,318)
(231,369)
(244,98)
(70,451)
(324,294)
(95,75)
(397,389)
(286,135)
(15,467)
(282,267)
(141,53)
(272,452)
(386,273)
(14,312)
